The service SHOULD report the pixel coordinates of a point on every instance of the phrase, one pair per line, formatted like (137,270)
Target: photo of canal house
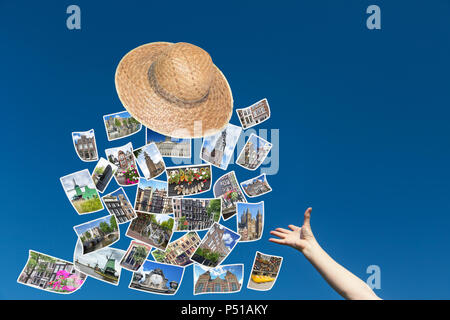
(103,173)
(216,246)
(51,274)
(227,188)
(153,229)
(151,197)
(136,255)
(117,203)
(98,233)
(179,251)
(196,214)
(158,278)
(222,279)
(102,264)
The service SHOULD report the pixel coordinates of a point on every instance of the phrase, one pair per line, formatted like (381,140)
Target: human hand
(300,238)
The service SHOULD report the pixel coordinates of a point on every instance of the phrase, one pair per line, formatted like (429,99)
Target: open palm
(298,237)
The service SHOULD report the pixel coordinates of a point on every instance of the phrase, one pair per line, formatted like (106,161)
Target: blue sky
(362,119)
(219,271)
(172,273)
(143,183)
(88,225)
(261,178)
(77,135)
(233,133)
(119,191)
(229,237)
(122,114)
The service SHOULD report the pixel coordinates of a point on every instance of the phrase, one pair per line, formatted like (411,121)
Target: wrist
(311,249)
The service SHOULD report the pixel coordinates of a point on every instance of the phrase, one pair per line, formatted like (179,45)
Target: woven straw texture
(174,89)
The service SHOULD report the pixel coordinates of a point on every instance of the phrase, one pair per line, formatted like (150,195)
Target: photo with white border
(168,146)
(250,221)
(227,188)
(127,173)
(179,251)
(196,214)
(150,161)
(151,197)
(85,145)
(103,173)
(255,114)
(118,204)
(253,154)
(256,186)
(188,180)
(264,275)
(120,125)
(135,256)
(213,280)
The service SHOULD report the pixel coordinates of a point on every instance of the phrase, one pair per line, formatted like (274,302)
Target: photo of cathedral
(150,161)
(250,220)
(218,149)
(254,152)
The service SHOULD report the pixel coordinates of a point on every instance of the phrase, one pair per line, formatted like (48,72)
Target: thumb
(307,218)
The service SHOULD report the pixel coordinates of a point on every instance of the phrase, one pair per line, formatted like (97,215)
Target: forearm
(340,279)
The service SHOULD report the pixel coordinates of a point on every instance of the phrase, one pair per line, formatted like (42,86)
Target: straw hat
(174,89)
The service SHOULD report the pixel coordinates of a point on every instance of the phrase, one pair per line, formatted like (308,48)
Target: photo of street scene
(221,279)
(255,114)
(85,145)
(153,229)
(256,186)
(118,204)
(158,278)
(196,214)
(250,220)
(150,161)
(264,272)
(151,197)
(50,274)
(254,152)
(216,246)
(103,173)
(81,192)
(218,149)
(123,158)
(168,146)
(227,188)
(97,234)
(120,125)
(188,180)
(102,264)
(179,251)
(136,255)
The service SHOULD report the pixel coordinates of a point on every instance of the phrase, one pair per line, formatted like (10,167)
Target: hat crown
(184,71)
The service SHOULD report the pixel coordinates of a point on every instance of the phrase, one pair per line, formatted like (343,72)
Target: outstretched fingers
(307,219)
(278,234)
(279,241)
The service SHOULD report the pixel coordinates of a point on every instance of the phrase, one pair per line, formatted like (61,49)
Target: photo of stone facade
(255,114)
(227,188)
(264,272)
(50,274)
(216,246)
(151,197)
(254,152)
(118,204)
(168,146)
(222,279)
(196,214)
(85,145)
(150,161)
(256,186)
(218,149)
(120,125)
(159,278)
(179,251)
(250,220)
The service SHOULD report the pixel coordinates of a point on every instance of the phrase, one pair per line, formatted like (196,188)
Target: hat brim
(201,119)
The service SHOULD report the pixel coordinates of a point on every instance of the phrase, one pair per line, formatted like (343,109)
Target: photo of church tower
(250,220)
(218,149)
(150,161)
(254,152)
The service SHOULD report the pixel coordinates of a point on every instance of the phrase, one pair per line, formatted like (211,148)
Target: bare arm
(340,279)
